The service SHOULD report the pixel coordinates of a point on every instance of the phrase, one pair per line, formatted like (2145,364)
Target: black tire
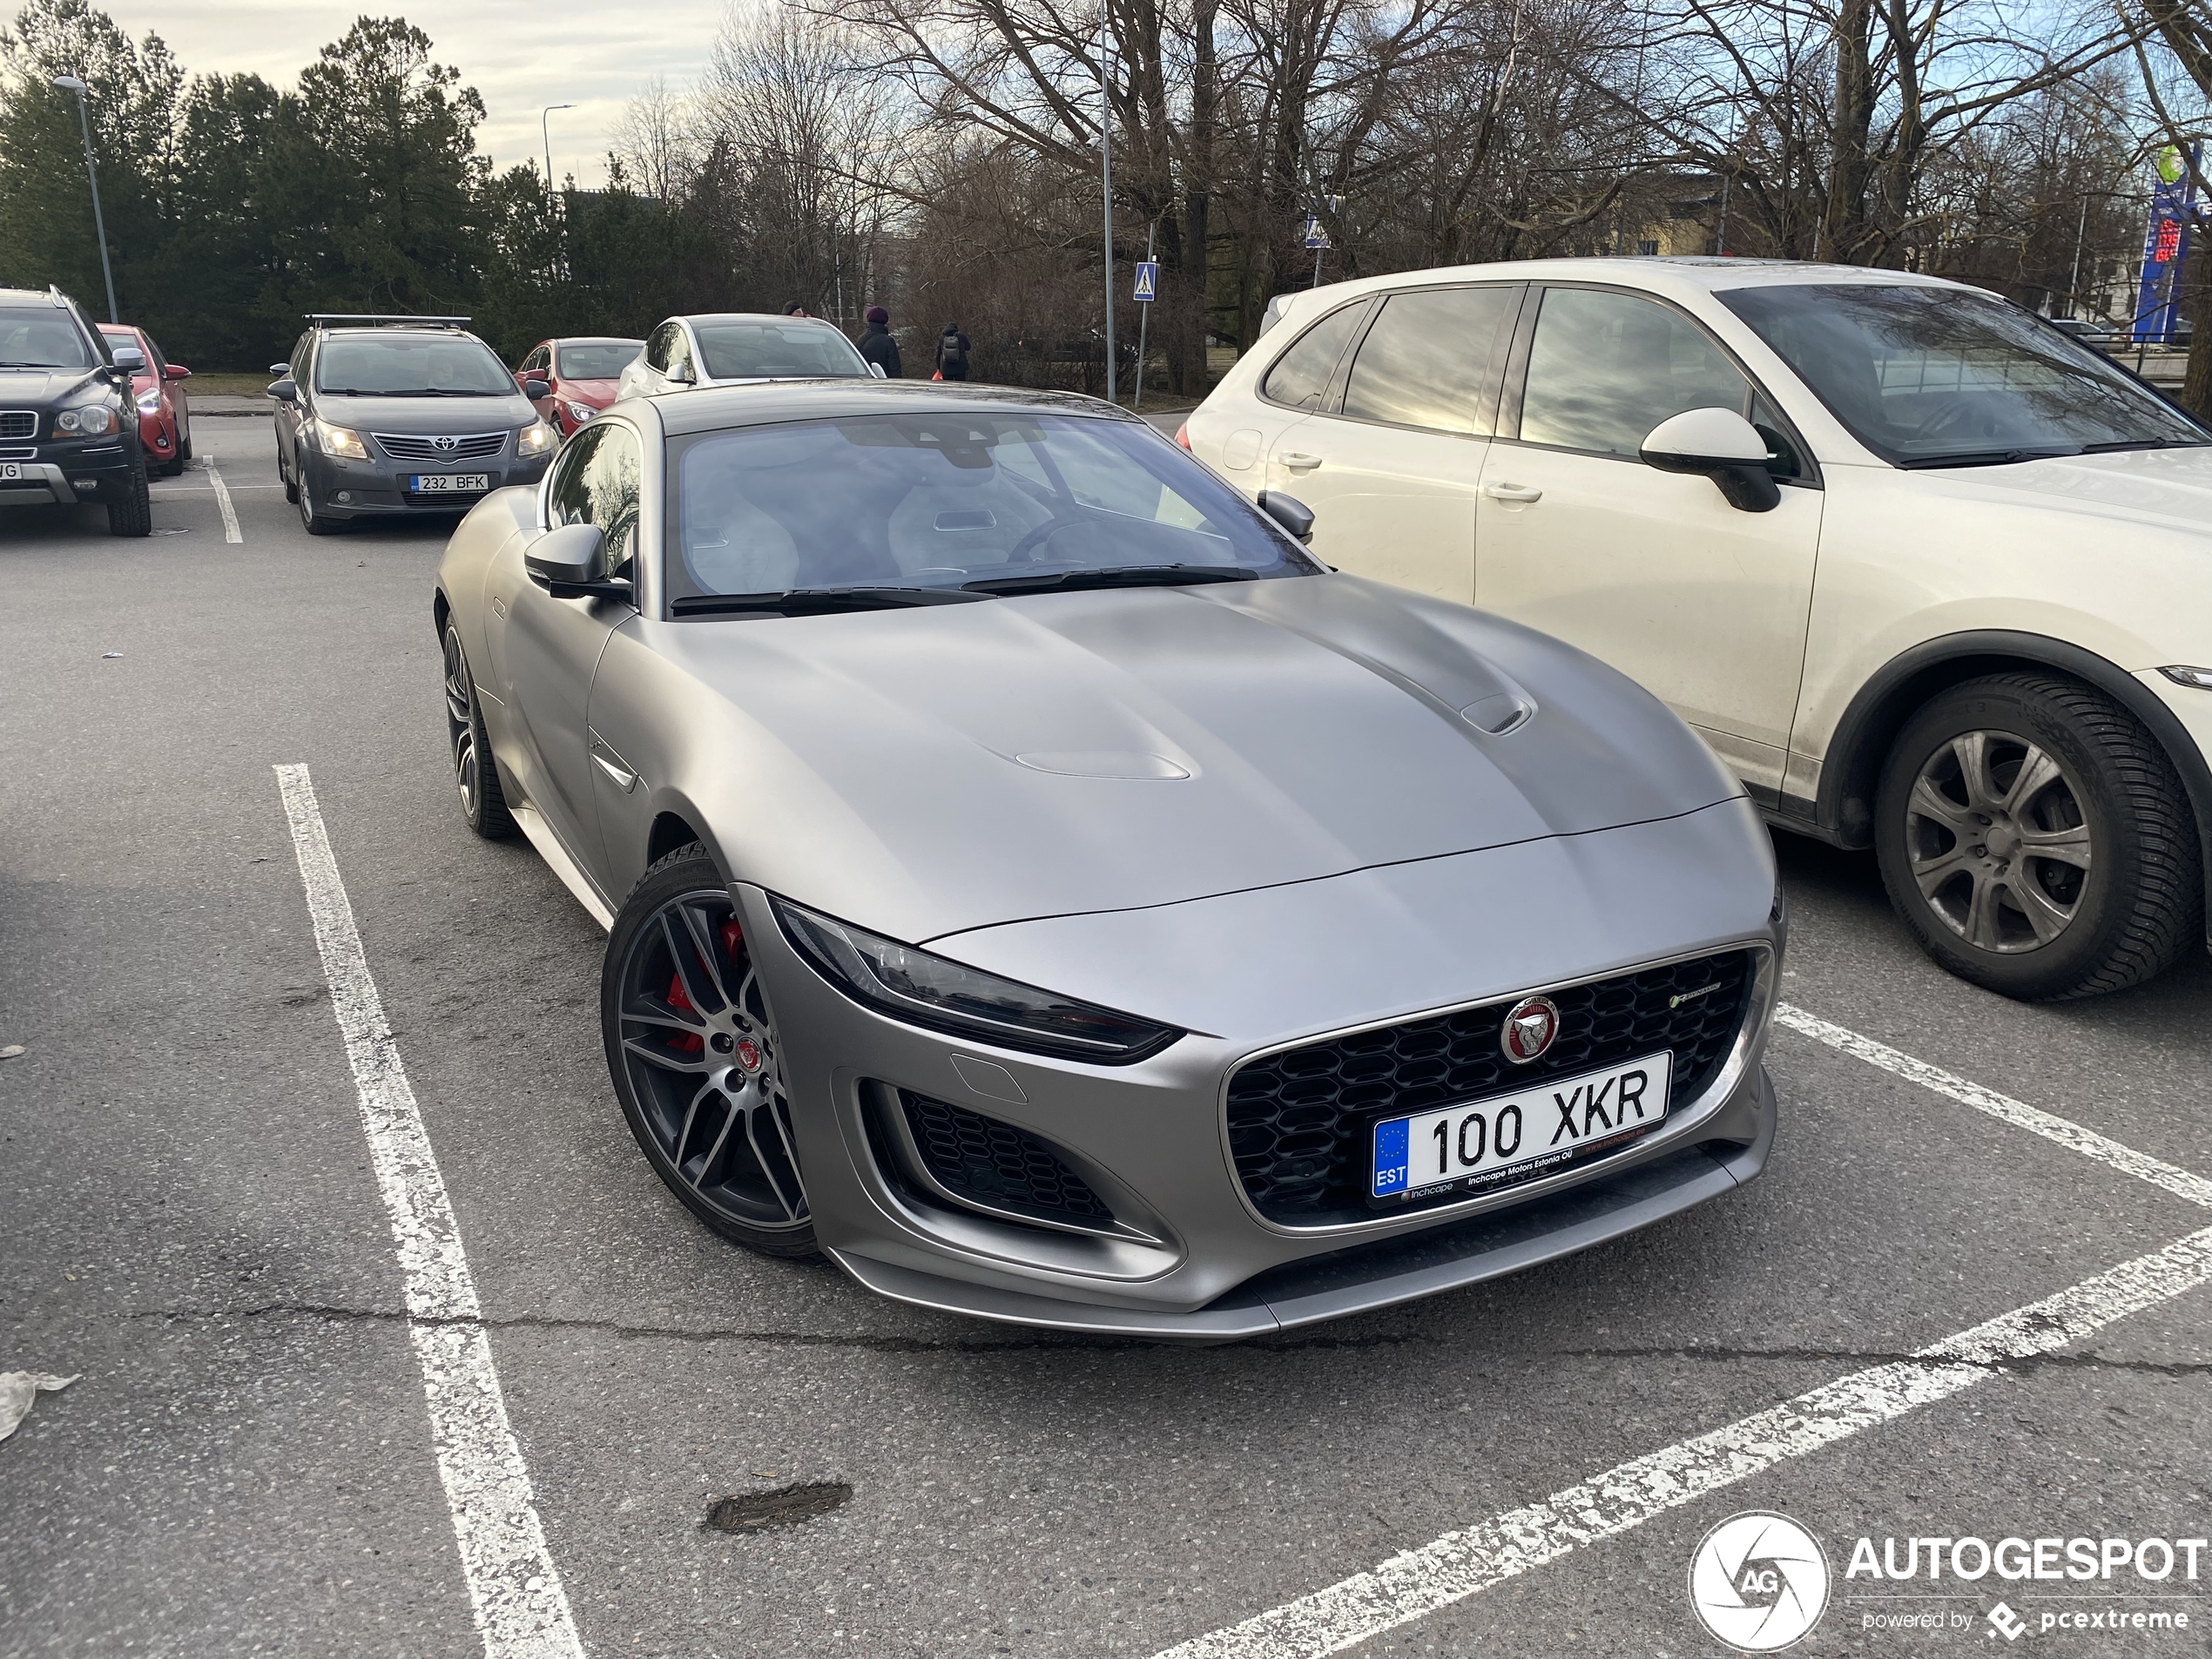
(475,771)
(284,472)
(313,521)
(130,507)
(691,1049)
(183,442)
(174,465)
(2070,870)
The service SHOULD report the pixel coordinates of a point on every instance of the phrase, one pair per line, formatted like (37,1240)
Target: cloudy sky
(520,55)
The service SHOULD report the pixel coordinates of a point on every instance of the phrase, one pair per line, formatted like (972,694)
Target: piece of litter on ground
(11,1051)
(18,1389)
(110,654)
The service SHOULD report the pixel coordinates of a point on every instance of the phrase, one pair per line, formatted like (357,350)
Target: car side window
(1301,375)
(1427,360)
(601,474)
(1605,369)
(535,363)
(679,347)
(656,347)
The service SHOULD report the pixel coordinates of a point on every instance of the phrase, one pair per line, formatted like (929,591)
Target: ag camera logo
(1758,1582)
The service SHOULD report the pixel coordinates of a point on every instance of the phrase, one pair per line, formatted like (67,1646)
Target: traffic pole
(1144,321)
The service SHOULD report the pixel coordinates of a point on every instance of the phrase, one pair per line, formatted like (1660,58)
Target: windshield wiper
(1983,457)
(2117,445)
(1125,576)
(811,602)
(11,365)
(424,391)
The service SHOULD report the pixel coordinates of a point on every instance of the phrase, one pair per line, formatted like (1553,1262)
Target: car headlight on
(94,420)
(580,413)
(922,989)
(150,401)
(338,441)
(537,439)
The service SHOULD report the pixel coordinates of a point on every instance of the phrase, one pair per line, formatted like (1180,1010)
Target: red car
(580,373)
(157,386)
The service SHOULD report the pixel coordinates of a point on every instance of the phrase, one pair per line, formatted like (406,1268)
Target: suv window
(1300,377)
(600,476)
(41,337)
(1605,369)
(1427,360)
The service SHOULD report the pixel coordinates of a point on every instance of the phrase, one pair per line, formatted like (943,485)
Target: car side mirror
(1289,512)
(680,374)
(134,361)
(279,368)
(878,371)
(569,563)
(285,391)
(535,389)
(1724,447)
(178,372)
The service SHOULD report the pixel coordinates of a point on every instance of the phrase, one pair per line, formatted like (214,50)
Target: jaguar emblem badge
(1532,1025)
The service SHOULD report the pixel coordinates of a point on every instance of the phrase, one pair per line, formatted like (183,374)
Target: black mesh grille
(989,1163)
(18,424)
(1299,1121)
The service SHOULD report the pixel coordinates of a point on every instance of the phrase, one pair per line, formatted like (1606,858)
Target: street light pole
(545,132)
(71,84)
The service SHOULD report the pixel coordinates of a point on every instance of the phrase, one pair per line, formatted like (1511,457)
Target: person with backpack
(952,354)
(877,346)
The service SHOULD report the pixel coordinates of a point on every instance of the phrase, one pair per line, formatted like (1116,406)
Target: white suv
(1931,576)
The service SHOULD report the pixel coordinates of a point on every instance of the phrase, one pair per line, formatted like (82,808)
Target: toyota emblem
(1532,1025)
(445,445)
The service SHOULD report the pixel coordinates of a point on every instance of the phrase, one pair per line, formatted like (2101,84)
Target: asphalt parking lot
(192,1225)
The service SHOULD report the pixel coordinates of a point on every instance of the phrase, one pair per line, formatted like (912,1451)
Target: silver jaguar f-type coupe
(1036,883)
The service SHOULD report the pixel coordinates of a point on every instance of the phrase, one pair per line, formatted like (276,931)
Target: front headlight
(922,989)
(580,413)
(340,440)
(94,420)
(537,439)
(150,401)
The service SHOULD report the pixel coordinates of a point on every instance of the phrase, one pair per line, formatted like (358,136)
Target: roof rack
(384,317)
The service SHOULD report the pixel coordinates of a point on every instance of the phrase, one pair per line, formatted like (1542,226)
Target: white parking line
(2072,1136)
(223,501)
(521,1611)
(1461,1564)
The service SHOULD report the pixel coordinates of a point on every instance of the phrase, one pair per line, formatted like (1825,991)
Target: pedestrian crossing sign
(1148,281)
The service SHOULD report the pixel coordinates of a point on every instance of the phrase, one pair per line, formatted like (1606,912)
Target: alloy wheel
(1997,841)
(461,723)
(701,1054)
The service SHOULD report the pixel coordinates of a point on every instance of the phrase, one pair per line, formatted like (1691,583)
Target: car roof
(594,339)
(749,316)
(32,297)
(763,402)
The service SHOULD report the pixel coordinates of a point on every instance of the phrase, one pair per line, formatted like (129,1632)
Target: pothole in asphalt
(785,1507)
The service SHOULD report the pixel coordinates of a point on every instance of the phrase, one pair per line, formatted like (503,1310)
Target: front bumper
(379,487)
(1198,1260)
(65,471)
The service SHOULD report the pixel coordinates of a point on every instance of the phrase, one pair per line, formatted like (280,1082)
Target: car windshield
(736,350)
(40,337)
(1934,377)
(411,366)
(945,499)
(597,359)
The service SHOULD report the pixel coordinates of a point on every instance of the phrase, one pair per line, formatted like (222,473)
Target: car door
(1654,572)
(172,382)
(1391,462)
(646,375)
(288,415)
(544,651)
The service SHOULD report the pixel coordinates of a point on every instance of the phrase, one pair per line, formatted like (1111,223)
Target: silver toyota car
(1036,883)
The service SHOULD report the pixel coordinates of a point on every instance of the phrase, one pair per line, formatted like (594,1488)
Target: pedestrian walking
(877,346)
(952,354)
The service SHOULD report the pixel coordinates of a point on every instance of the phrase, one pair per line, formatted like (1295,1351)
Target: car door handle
(1519,493)
(1300,463)
(619,772)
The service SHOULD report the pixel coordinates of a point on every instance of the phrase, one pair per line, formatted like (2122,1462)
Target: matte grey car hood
(923,772)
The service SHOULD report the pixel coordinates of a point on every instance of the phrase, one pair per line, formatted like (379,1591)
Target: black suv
(67,430)
(383,417)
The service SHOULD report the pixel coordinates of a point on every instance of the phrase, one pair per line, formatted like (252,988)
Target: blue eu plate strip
(1389,1156)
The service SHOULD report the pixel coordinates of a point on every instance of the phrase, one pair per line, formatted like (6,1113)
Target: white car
(732,348)
(1932,576)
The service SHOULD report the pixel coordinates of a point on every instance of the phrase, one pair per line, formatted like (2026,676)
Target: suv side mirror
(285,391)
(569,563)
(130,357)
(1724,447)
(1289,512)
(878,371)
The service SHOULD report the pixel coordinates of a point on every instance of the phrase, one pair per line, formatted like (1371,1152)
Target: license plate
(1509,1137)
(450,483)
(10,471)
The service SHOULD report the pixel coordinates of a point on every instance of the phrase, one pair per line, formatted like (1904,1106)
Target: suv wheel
(2037,840)
(130,507)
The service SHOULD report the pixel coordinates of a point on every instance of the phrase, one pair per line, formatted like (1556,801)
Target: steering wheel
(1022,549)
(1952,420)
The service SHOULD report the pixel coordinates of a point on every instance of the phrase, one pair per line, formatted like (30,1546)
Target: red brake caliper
(680,1000)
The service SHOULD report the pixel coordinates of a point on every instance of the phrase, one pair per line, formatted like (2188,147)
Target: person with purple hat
(877,345)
